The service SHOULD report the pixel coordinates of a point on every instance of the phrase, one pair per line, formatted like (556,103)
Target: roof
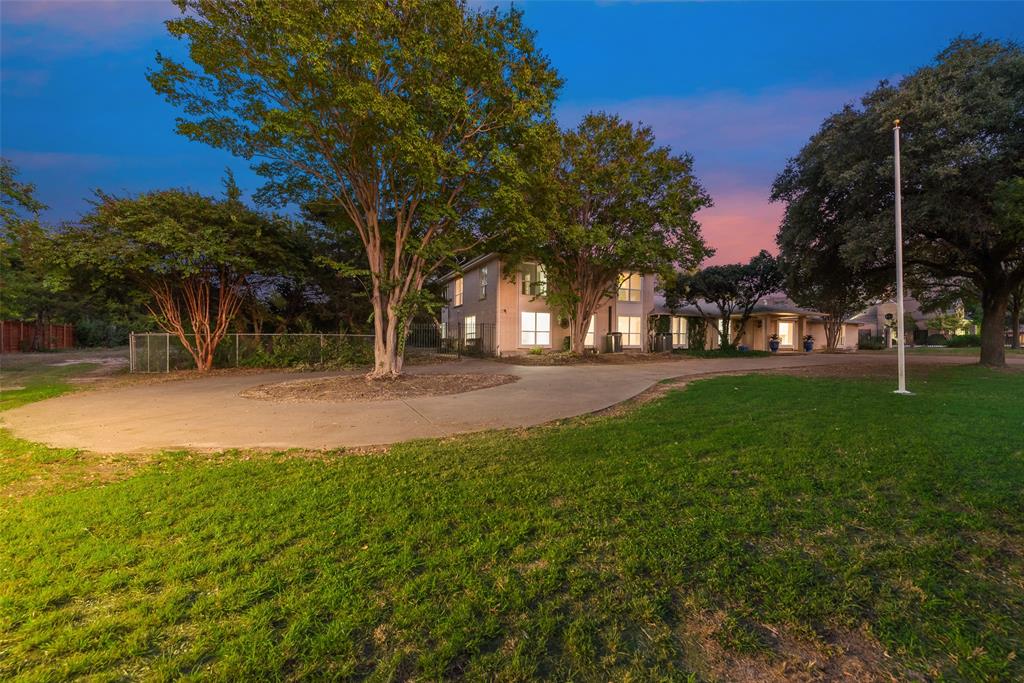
(773,304)
(469,265)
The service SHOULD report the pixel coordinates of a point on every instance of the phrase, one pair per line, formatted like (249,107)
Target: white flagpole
(901,354)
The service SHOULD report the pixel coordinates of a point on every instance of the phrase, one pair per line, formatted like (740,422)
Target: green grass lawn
(728,513)
(21,385)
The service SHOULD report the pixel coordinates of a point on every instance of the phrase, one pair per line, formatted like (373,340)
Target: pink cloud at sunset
(739,225)
(739,142)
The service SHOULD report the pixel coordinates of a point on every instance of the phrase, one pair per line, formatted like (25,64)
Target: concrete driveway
(208,413)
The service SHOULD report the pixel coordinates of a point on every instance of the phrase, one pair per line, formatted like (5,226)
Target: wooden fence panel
(16,336)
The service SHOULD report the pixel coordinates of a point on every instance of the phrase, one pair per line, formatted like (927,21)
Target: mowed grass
(603,549)
(35,382)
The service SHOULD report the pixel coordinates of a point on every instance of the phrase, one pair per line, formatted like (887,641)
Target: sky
(740,86)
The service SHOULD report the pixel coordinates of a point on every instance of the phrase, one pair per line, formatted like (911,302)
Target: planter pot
(773,346)
(808,346)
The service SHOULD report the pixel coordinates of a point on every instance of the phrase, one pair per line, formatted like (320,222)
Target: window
(534,279)
(785,334)
(679,332)
(629,287)
(535,329)
(483,283)
(629,326)
(588,341)
(457,298)
(470,327)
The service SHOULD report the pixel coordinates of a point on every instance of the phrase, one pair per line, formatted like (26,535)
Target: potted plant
(809,343)
(773,343)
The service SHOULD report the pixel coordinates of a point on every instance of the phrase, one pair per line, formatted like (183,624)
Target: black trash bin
(613,342)
(662,342)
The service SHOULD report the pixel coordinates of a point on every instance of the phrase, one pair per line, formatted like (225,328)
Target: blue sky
(740,86)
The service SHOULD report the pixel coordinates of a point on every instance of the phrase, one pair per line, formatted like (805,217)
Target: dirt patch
(359,388)
(832,655)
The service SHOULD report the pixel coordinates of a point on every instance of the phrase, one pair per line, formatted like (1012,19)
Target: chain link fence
(163,352)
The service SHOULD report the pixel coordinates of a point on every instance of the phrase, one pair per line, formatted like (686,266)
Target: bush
(937,340)
(964,340)
(871,343)
(305,350)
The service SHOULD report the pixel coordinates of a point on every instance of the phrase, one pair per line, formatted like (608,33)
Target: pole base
(903,392)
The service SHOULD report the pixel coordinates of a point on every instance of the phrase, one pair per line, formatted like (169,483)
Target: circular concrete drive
(208,413)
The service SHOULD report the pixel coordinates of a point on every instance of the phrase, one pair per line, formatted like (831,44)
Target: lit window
(588,341)
(535,329)
(629,287)
(785,334)
(457,298)
(629,326)
(534,280)
(483,283)
(470,327)
(679,332)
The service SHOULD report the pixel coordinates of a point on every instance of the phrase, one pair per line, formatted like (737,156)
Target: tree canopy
(195,255)
(616,203)
(962,124)
(411,117)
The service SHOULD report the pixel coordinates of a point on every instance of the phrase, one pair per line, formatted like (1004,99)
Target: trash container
(662,342)
(613,342)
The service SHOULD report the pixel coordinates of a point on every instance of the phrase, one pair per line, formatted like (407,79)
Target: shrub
(536,351)
(871,343)
(290,351)
(936,340)
(964,340)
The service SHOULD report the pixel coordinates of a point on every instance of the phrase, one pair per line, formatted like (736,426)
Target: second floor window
(534,279)
(629,287)
(483,283)
(457,295)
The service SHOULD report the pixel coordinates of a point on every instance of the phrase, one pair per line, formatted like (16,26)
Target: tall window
(535,329)
(629,326)
(483,282)
(679,332)
(785,334)
(457,296)
(470,327)
(588,341)
(535,281)
(629,287)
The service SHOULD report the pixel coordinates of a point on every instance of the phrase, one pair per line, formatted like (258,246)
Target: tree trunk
(578,326)
(387,359)
(993,307)
(832,327)
(1015,321)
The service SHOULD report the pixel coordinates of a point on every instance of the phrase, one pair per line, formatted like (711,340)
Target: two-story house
(510,312)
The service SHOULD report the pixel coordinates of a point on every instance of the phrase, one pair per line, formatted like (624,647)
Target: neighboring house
(509,313)
(879,321)
(773,314)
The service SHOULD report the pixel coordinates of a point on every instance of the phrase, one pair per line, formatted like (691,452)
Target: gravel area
(359,388)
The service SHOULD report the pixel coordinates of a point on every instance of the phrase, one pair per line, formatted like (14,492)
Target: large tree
(963,141)
(411,116)
(810,240)
(29,281)
(734,289)
(617,203)
(196,256)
